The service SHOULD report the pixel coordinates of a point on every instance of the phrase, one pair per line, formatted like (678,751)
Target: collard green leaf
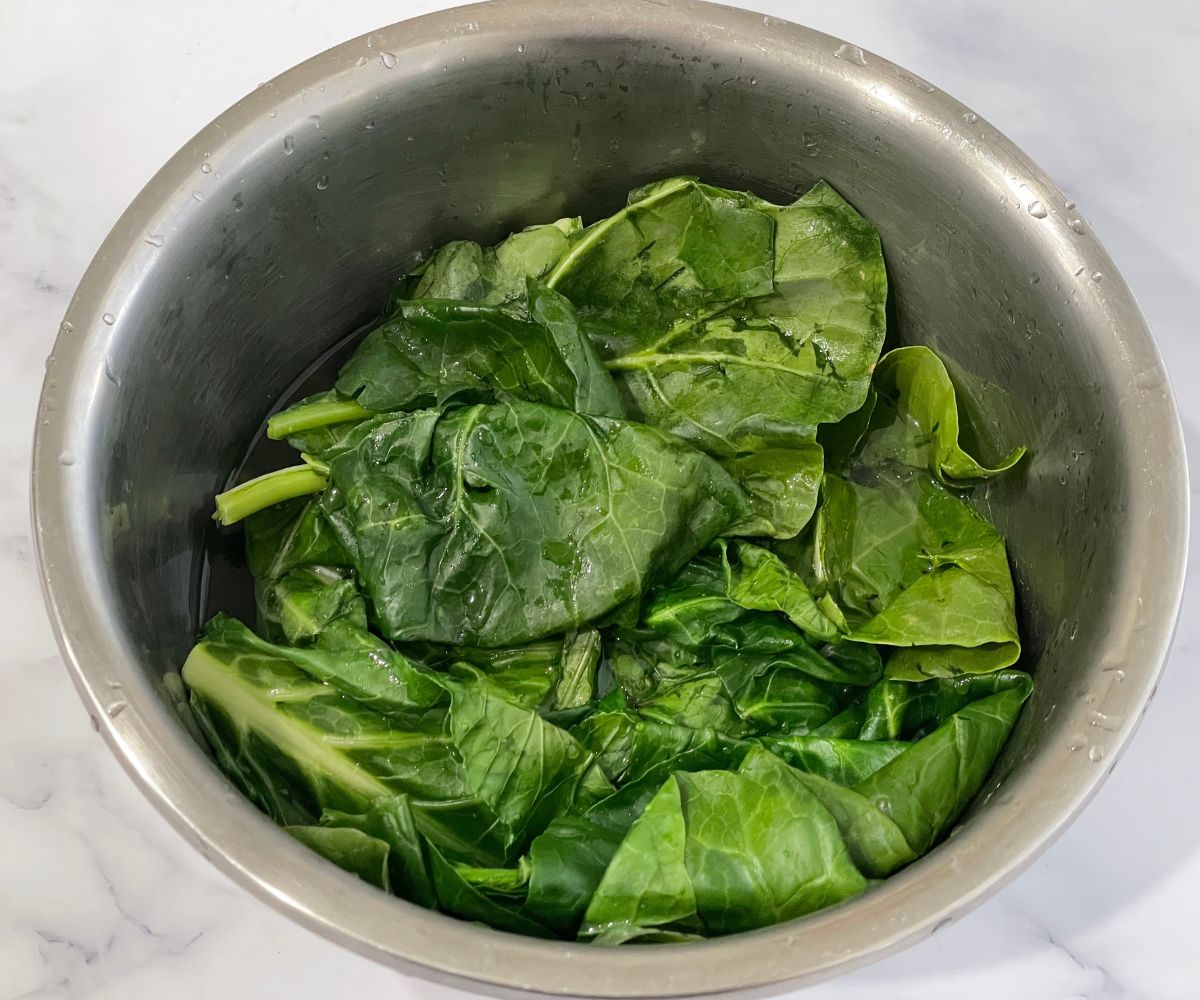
(630,749)
(782,485)
(525,769)
(756,578)
(777,690)
(580,658)
(458,895)
(496,525)
(844,761)
(914,384)
(465,271)
(727,852)
(431,351)
(298,746)
(926,788)
(302,605)
(896,710)
(289,536)
(566,864)
(646,884)
(390,821)
(355,851)
(734,323)
(912,565)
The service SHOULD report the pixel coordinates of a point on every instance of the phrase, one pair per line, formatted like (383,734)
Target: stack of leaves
(624,592)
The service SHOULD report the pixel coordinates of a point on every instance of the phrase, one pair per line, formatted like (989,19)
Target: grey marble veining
(99,898)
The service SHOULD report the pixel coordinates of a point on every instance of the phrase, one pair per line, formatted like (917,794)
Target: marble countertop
(100,899)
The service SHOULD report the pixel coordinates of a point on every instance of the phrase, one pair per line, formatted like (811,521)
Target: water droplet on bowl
(116,708)
(1068,204)
(155,239)
(323,183)
(66,458)
(970,118)
(1037,210)
(851,53)
(109,374)
(521,48)
(206,168)
(388,59)
(289,145)
(109,319)
(66,326)
(1096,754)
(1079,270)
(1077,225)
(314,121)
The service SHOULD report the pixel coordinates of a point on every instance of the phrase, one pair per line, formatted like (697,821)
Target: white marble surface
(99,898)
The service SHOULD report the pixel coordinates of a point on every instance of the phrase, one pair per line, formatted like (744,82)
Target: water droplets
(1068,204)
(970,117)
(1096,754)
(851,54)
(206,168)
(388,59)
(314,121)
(1097,276)
(109,319)
(110,372)
(66,459)
(323,182)
(1037,210)
(1079,270)
(155,239)
(521,49)
(116,708)
(289,145)
(239,202)
(1077,225)
(65,327)
(810,144)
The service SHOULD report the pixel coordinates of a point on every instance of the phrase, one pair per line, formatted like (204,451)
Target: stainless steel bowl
(277,229)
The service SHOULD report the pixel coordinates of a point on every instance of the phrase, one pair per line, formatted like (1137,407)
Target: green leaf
(458,895)
(912,565)
(432,351)
(298,746)
(900,710)
(914,384)
(289,536)
(756,578)
(926,788)
(496,525)
(464,270)
(844,761)
(525,769)
(566,864)
(647,883)
(734,323)
(357,852)
(782,485)
(391,822)
(726,852)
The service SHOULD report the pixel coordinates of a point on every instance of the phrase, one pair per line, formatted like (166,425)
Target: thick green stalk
(306,416)
(265,491)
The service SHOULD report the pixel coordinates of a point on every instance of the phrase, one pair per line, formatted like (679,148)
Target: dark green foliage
(615,597)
